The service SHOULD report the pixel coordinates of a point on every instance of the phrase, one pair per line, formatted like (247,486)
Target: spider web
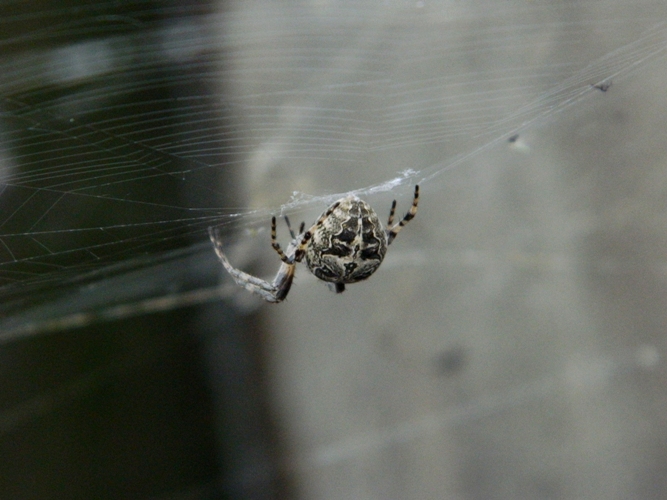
(127,131)
(113,155)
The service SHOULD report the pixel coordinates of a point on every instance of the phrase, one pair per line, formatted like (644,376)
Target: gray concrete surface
(512,344)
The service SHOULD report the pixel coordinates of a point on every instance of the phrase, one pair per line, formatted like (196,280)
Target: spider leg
(291,232)
(391,213)
(271,292)
(299,251)
(282,282)
(393,231)
(274,241)
(289,226)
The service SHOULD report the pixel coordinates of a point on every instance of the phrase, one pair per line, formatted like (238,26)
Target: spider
(346,244)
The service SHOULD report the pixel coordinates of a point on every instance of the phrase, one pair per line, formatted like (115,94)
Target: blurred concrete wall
(511,346)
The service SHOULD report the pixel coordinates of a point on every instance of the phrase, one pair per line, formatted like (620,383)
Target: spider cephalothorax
(346,244)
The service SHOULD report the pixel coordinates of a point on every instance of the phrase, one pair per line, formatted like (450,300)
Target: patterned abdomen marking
(349,245)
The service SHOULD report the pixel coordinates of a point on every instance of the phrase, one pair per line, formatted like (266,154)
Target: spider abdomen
(349,245)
